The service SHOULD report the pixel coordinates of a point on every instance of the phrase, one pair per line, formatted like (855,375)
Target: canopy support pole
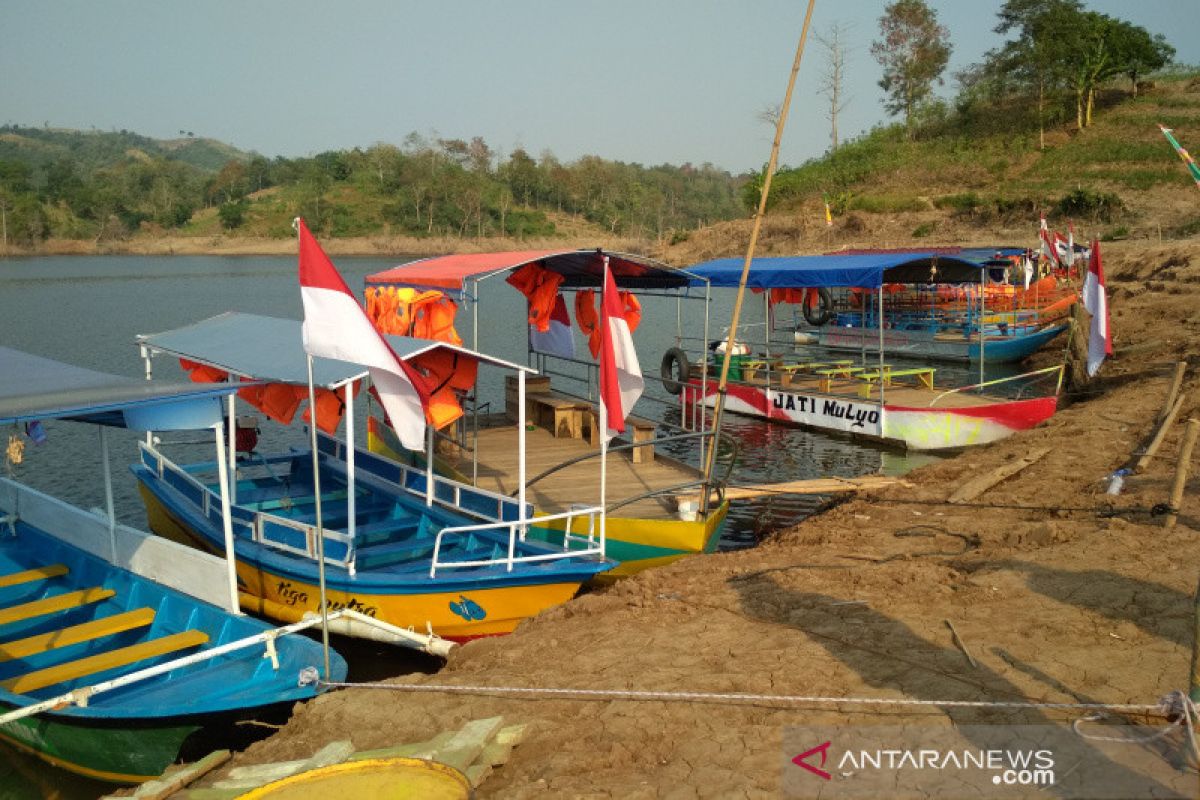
(723,383)
(109,506)
(316,466)
(881,380)
(227,521)
(232,443)
(430,443)
(351,494)
(521,449)
(982,308)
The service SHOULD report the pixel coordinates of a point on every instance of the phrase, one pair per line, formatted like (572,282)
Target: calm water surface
(87,310)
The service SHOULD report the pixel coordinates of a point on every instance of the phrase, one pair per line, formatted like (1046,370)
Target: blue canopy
(36,388)
(866,271)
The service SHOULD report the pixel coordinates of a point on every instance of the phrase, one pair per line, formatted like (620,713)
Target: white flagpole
(603,422)
(316,463)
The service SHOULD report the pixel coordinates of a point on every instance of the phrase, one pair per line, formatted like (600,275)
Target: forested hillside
(110,186)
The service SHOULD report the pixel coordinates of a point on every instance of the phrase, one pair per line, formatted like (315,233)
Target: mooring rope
(1176,707)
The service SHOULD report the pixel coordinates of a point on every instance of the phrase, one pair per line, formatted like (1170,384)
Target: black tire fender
(824,303)
(675,361)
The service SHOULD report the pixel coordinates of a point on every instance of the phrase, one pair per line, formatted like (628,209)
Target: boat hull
(924,345)
(456,608)
(912,428)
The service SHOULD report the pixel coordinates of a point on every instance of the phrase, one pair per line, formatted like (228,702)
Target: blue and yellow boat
(119,650)
(399,544)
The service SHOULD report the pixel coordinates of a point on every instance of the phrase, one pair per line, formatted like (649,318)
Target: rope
(1161,709)
(1176,707)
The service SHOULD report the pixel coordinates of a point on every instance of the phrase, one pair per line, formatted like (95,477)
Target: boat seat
(278,503)
(384,530)
(638,430)
(84,632)
(922,374)
(383,555)
(30,575)
(825,376)
(102,662)
(51,605)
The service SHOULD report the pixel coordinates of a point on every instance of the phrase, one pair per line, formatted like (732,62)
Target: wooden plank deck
(578,483)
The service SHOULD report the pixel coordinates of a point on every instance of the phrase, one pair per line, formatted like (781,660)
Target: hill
(92,150)
(1116,179)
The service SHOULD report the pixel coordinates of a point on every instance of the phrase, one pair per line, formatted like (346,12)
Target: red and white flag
(621,381)
(335,326)
(1095,300)
(558,340)
(1048,241)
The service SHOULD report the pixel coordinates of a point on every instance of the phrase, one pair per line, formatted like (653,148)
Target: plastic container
(1116,481)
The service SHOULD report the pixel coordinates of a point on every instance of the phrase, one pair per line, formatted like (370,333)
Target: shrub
(964,203)
(1085,203)
(923,230)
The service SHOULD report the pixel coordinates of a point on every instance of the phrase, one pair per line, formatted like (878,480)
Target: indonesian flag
(558,340)
(1047,241)
(1095,300)
(621,381)
(335,326)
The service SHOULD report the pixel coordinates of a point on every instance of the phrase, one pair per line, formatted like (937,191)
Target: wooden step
(101,662)
(50,605)
(84,632)
(30,575)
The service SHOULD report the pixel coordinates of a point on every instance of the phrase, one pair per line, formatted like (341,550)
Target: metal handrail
(1060,369)
(512,558)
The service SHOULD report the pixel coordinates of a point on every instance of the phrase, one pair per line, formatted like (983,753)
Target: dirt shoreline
(1061,592)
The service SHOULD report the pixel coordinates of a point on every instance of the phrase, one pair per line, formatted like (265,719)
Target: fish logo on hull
(468,609)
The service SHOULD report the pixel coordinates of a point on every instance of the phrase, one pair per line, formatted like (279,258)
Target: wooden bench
(638,430)
(74,634)
(35,574)
(923,374)
(788,372)
(825,376)
(52,605)
(560,414)
(102,662)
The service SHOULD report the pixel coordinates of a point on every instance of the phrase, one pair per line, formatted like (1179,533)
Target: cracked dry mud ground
(1058,601)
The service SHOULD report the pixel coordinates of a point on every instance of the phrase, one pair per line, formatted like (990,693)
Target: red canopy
(579,268)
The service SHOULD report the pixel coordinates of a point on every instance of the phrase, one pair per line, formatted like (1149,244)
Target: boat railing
(592,543)
(447,492)
(279,532)
(1059,368)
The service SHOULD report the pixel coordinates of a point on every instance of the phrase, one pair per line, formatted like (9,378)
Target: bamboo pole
(1194,686)
(723,383)
(1181,469)
(1176,383)
(1159,435)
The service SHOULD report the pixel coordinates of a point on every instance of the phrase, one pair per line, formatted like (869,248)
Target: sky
(645,81)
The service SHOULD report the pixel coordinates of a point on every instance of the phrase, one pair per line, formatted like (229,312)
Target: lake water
(87,311)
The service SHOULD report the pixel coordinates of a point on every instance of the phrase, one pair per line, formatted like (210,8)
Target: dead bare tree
(833,76)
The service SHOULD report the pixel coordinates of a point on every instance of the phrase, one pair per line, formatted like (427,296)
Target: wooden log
(1173,392)
(980,484)
(808,486)
(1159,435)
(962,645)
(254,776)
(1181,469)
(178,777)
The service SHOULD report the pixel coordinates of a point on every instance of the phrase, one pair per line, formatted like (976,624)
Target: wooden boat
(869,397)
(400,544)
(119,649)
(984,320)
(644,526)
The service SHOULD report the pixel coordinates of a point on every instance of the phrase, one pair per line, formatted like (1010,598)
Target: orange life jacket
(331,407)
(633,309)
(447,374)
(540,287)
(202,373)
(432,314)
(280,401)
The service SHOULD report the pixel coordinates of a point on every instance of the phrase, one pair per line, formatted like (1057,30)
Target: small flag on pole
(1183,154)
(828,213)
(1047,241)
(621,381)
(335,326)
(1095,300)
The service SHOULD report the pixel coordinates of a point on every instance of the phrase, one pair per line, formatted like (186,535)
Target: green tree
(1139,53)
(913,52)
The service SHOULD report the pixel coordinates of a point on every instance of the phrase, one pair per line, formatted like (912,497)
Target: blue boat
(396,542)
(119,650)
